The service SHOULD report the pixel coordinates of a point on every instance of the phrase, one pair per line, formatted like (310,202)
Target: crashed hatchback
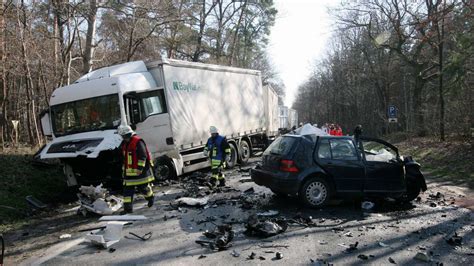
(317,168)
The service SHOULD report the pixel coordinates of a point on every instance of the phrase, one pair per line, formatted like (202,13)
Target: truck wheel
(232,159)
(245,151)
(164,169)
(315,192)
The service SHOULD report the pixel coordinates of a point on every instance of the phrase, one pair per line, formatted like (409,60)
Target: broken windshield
(97,113)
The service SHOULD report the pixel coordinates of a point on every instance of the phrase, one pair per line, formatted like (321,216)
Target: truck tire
(315,192)
(245,151)
(164,169)
(231,160)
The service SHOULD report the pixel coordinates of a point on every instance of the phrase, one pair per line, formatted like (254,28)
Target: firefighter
(217,149)
(137,168)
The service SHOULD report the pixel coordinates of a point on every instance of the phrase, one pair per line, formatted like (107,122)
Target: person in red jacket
(137,168)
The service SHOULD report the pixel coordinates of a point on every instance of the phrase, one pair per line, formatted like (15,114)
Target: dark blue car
(318,168)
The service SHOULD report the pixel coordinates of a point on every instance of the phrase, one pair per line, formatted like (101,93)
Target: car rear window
(281,146)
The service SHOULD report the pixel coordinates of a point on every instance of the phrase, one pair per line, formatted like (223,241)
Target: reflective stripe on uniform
(141,181)
(127,199)
(228,150)
(141,163)
(132,172)
(149,191)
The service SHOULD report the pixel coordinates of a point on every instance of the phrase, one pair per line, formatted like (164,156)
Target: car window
(378,152)
(343,149)
(324,151)
(281,146)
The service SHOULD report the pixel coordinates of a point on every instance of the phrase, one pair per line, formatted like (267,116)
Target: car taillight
(288,166)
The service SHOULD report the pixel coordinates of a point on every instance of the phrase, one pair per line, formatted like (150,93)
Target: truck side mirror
(45,123)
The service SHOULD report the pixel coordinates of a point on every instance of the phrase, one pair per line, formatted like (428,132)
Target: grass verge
(20,177)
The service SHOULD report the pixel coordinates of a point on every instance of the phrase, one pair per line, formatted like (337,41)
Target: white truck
(288,118)
(170,103)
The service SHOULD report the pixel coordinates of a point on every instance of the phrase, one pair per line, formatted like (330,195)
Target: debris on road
(367,205)
(363,257)
(235,253)
(144,237)
(245,180)
(265,227)
(251,256)
(192,201)
(222,235)
(97,200)
(268,213)
(125,217)
(278,256)
(352,247)
(455,240)
(35,203)
(391,260)
(201,257)
(108,236)
(422,256)
(64,236)
(383,245)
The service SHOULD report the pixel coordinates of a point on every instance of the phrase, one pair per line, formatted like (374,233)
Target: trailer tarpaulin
(200,97)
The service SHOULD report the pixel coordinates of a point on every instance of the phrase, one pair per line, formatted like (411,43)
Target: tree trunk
(89,49)
(3,76)
(417,105)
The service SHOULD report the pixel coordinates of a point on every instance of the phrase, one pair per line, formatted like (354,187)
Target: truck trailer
(170,103)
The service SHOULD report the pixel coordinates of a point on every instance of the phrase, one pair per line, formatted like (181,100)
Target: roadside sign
(392,111)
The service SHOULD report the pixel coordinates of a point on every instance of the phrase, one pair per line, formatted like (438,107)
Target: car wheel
(315,192)
(245,151)
(231,161)
(164,169)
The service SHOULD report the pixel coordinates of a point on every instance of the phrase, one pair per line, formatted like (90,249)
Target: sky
(298,39)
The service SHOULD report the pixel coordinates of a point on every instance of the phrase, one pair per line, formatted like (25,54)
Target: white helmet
(213,130)
(124,130)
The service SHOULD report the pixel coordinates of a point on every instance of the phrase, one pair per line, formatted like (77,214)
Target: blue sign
(392,111)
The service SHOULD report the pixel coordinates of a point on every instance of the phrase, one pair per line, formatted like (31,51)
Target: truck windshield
(97,113)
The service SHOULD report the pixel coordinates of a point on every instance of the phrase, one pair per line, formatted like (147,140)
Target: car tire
(315,192)
(245,151)
(164,169)
(231,161)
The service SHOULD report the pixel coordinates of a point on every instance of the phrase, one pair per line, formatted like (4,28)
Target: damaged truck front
(170,104)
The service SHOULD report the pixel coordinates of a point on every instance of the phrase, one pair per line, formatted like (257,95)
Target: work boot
(222,182)
(151,200)
(213,182)
(127,208)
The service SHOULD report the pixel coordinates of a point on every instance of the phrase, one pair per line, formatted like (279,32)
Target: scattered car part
(422,256)
(64,236)
(35,203)
(144,237)
(192,201)
(97,200)
(222,235)
(126,217)
(265,227)
(108,236)
(278,256)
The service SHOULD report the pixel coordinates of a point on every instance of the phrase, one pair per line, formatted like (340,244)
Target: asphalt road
(388,234)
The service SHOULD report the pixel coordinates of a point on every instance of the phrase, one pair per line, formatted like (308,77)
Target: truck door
(338,157)
(148,112)
(384,169)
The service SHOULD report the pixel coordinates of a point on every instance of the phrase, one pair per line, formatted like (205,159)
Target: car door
(338,157)
(149,114)
(384,169)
